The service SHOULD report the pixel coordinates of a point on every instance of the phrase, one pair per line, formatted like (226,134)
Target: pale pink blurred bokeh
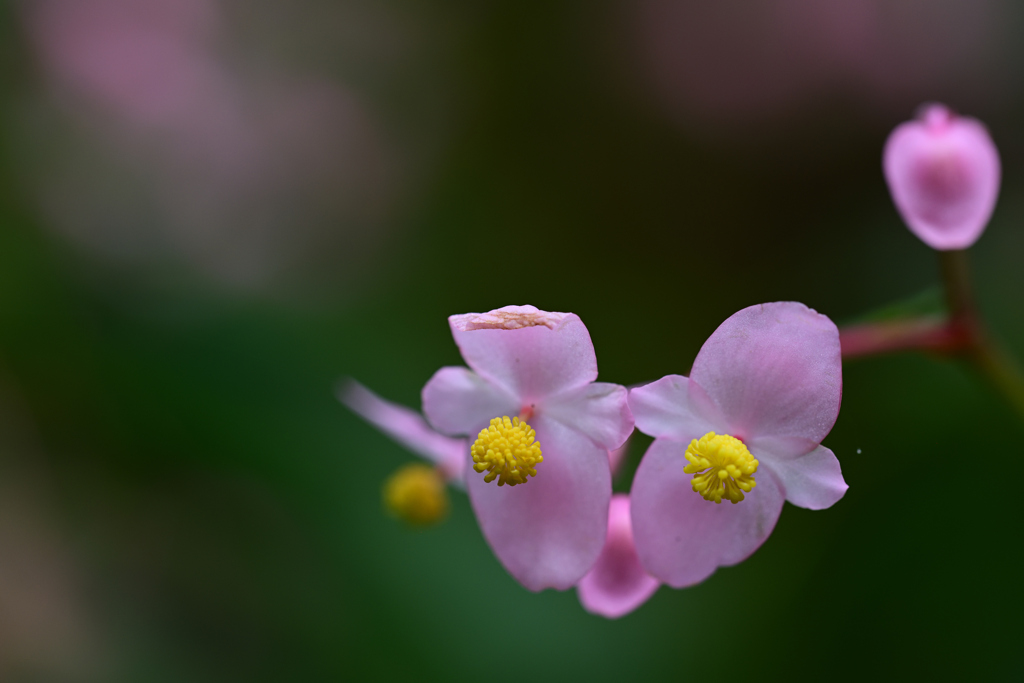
(180,142)
(722,66)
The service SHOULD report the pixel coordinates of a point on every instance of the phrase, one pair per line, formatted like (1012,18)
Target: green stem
(1002,370)
(981,349)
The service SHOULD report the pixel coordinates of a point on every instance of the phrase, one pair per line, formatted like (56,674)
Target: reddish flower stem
(961,333)
(927,334)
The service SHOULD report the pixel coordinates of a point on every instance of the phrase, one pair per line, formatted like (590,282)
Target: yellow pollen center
(721,466)
(506,451)
(416,494)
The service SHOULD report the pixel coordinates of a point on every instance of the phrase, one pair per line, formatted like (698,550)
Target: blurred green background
(183,499)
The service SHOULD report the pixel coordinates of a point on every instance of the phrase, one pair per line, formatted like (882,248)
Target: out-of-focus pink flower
(183,147)
(540,368)
(617,583)
(149,62)
(408,428)
(764,391)
(943,171)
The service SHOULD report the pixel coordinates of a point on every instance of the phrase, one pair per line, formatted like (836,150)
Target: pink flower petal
(943,171)
(682,538)
(674,408)
(598,410)
(408,428)
(617,456)
(531,353)
(617,583)
(773,370)
(809,473)
(549,531)
(457,401)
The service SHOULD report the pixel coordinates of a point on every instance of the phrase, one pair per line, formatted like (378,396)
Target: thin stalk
(956,278)
(982,350)
(926,334)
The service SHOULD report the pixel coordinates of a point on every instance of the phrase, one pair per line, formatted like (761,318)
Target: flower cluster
(532,436)
(534,439)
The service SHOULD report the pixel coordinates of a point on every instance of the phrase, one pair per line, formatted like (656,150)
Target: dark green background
(222,511)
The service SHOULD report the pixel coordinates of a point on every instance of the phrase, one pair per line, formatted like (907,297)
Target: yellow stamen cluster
(416,494)
(506,451)
(721,466)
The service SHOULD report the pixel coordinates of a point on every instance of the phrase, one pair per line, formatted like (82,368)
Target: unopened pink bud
(943,172)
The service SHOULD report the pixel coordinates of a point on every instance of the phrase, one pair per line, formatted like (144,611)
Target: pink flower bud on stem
(943,172)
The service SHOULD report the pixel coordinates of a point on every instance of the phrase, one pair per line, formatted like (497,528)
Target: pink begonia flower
(764,391)
(408,428)
(539,368)
(943,171)
(617,583)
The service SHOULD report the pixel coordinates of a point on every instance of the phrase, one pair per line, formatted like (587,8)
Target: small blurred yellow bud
(417,495)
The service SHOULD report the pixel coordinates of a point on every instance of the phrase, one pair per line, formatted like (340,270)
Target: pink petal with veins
(598,410)
(460,402)
(681,538)
(549,531)
(676,408)
(773,370)
(531,353)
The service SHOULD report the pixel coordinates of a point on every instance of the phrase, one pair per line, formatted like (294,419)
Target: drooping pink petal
(407,427)
(457,401)
(680,537)
(809,473)
(549,531)
(531,353)
(617,583)
(773,370)
(943,172)
(598,410)
(674,408)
